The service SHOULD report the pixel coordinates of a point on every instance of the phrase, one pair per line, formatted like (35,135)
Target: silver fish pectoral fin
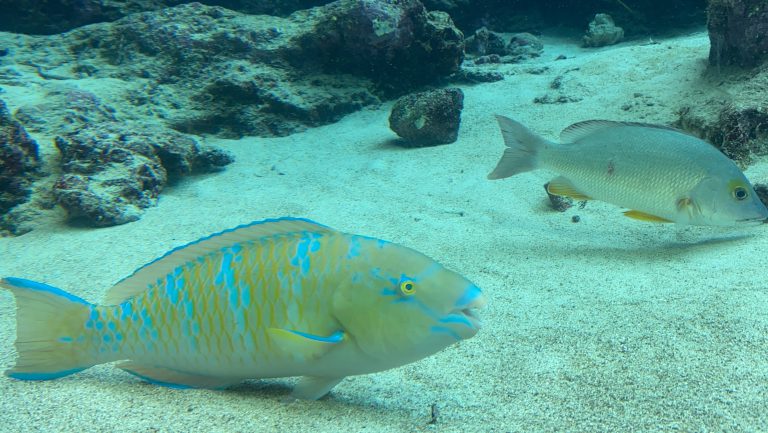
(312,388)
(176,379)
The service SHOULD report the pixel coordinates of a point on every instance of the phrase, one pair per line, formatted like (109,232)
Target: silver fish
(659,173)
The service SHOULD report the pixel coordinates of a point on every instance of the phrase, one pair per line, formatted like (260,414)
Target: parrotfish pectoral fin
(148,274)
(642,216)
(522,149)
(176,379)
(313,388)
(563,187)
(49,322)
(302,345)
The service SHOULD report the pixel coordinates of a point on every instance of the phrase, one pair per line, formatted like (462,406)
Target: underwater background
(129,128)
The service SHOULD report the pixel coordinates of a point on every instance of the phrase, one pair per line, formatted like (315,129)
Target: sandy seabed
(605,325)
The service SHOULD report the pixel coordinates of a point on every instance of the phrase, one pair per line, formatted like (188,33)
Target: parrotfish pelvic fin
(563,187)
(175,379)
(304,346)
(313,388)
(148,274)
(642,216)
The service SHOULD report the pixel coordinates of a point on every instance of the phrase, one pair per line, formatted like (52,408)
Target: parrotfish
(659,173)
(275,298)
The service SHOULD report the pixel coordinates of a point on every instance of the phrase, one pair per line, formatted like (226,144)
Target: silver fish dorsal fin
(148,274)
(579,130)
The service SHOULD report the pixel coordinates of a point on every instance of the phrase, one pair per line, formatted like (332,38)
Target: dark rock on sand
(112,173)
(484,42)
(490,47)
(428,118)
(19,161)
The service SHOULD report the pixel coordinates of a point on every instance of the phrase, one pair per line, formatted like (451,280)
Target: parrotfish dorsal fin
(579,130)
(144,276)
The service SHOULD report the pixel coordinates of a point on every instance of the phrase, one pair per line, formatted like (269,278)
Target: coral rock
(19,161)
(602,31)
(737,32)
(428,118)
(113,173)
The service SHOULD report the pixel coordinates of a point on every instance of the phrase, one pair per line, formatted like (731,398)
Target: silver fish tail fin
(522,152)
(50,331)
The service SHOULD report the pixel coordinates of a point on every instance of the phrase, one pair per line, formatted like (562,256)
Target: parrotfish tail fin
(522,152)
(50,329)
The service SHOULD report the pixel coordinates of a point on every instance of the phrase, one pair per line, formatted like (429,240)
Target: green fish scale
(281,296)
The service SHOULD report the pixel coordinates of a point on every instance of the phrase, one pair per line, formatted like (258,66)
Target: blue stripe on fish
(158,382)
(44,376)
(471,293)
(171,290)
(40,287)
(456,319)
(444,330)
(336,337)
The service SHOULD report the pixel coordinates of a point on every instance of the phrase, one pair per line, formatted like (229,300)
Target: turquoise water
(605,324)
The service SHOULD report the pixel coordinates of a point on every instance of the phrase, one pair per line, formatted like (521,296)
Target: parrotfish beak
(464,317)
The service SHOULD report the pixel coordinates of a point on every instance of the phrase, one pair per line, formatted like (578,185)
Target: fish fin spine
(522,152)
(50,331)
(563,187)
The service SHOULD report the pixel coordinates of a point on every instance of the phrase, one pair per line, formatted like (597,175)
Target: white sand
(608,324)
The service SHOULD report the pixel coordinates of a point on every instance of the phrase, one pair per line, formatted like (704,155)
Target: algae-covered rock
(112,173)
(203,69)
(602,31)
(19,161)
(735,118)
(737,32)
(428,118)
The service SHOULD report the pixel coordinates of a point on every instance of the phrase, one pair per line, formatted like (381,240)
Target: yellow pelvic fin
(563,187)
(642,216)
(176,379)
(304,346)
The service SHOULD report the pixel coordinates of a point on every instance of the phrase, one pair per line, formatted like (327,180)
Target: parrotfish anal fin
(148,274)
(642,216)
(563,187)
(302,345)
(580,130)
(175,379)
(312,388)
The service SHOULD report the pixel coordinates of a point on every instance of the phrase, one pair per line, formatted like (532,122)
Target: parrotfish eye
(407,287)
(740,193)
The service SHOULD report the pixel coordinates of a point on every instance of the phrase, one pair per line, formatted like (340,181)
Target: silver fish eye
(740,193)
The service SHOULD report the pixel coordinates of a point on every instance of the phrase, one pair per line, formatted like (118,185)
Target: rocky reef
(637,17)
(19,161)
(159,77)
